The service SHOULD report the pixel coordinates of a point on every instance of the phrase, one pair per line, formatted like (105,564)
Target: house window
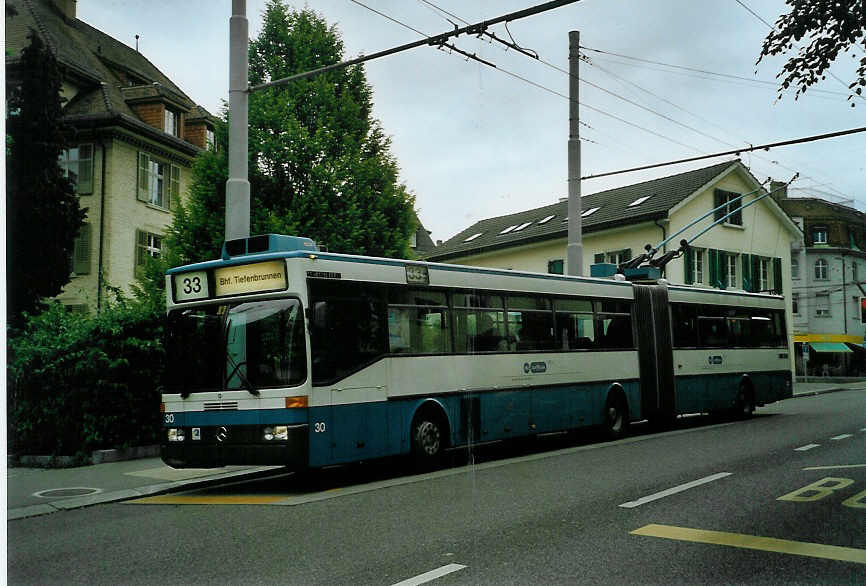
(211,139)
(147,246)
(698,266)
(413,240)
(763,274)
(795,303)
(822,305)
(731,270)
(556,267)
(795,268)
(726,199)
(821,269)
(618,257)
(171,119)
(77,165)
(819,235)
(158,182)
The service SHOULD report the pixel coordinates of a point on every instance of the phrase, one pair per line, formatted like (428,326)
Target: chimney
(782,192)
(67,8)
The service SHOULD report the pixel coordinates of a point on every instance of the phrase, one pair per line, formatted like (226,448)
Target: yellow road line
(233,499)
(815,550)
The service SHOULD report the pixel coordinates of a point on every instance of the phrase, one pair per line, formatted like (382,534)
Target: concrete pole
(575,238)
(238,186)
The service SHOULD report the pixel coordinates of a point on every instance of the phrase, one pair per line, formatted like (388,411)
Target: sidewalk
(40,491)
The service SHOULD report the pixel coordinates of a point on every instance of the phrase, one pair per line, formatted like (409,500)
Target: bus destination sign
(252,278)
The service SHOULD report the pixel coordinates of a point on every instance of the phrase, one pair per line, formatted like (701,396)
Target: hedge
(79,383)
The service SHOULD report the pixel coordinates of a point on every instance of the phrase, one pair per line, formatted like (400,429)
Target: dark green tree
(829,27)
(42,212)
(320,164)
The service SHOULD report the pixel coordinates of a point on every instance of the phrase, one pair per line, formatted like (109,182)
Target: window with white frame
(618,257)
(77,165)
(698,265)
(763,274)
(731,269)
(821,269)
(211,139)
(822,305)
(158,181)
(171,122)
(732,205)
(147,245)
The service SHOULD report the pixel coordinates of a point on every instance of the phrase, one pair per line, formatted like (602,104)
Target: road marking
(674,490)
(431,575)
(835,467)
(807,447)
(841,437)
(223,499)
(803,548)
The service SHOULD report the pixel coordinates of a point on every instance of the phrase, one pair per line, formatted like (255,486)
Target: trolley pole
(575,238)
(238,186)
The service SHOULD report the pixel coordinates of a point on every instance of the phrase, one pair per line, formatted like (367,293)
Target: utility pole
(575,238)
(238,186)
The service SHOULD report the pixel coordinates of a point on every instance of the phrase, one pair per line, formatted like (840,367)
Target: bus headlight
(176,435)
(278,432)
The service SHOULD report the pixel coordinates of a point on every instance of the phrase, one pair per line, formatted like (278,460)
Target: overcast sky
(473,142)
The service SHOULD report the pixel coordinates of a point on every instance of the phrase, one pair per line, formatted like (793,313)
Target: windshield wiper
(236,369)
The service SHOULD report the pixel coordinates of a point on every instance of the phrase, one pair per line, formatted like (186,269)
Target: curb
(133,493)
(822,392)
(97,457)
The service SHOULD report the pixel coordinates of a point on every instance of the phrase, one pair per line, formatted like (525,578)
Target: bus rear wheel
(428,440)
(745,405)
(615,417)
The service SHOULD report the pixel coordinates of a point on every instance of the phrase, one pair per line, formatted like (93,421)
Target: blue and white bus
(280,354)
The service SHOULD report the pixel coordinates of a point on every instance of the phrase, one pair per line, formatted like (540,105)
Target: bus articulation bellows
(280,354)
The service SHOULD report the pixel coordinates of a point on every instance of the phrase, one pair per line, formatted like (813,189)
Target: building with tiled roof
(136,135)
(751,250)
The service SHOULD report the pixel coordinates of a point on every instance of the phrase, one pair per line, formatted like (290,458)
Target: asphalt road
(707,502)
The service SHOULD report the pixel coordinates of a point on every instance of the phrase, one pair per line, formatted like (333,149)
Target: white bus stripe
(674,490)
(431,575)
(843,436)
(806,447)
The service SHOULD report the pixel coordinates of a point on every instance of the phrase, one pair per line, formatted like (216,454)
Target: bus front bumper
(243,445)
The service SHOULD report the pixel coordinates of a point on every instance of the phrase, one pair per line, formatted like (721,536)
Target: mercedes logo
(222,434)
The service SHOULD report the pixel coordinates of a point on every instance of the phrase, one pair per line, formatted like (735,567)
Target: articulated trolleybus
(280,354)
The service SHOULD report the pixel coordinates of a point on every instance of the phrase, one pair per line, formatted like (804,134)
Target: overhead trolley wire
(477,28)
(749,148)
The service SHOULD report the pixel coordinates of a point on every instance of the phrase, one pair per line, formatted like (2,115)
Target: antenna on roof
(136,43)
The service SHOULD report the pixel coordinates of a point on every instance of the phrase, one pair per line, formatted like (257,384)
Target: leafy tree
(43,216)
(830,27)
(320,164)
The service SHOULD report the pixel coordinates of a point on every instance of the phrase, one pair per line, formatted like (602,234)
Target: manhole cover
(55,493)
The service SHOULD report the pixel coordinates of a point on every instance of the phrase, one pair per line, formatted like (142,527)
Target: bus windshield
(231,347)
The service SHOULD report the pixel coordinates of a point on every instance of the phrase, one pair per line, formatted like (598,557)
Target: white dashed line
(431,575)
(674,490)
(840,466)
(807,447)
(841,437)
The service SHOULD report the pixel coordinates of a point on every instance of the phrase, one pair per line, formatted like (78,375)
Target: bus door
(655,354)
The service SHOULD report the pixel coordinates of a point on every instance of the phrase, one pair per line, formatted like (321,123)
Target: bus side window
(685,326)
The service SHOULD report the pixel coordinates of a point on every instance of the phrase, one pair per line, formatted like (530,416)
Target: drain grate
(55,493)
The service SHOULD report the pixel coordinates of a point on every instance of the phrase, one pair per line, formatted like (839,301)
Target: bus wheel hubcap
(428,438)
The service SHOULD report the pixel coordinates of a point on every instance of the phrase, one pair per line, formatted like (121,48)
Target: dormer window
(171,122)
(819,235)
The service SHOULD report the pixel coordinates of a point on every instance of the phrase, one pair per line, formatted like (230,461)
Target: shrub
(79,383)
